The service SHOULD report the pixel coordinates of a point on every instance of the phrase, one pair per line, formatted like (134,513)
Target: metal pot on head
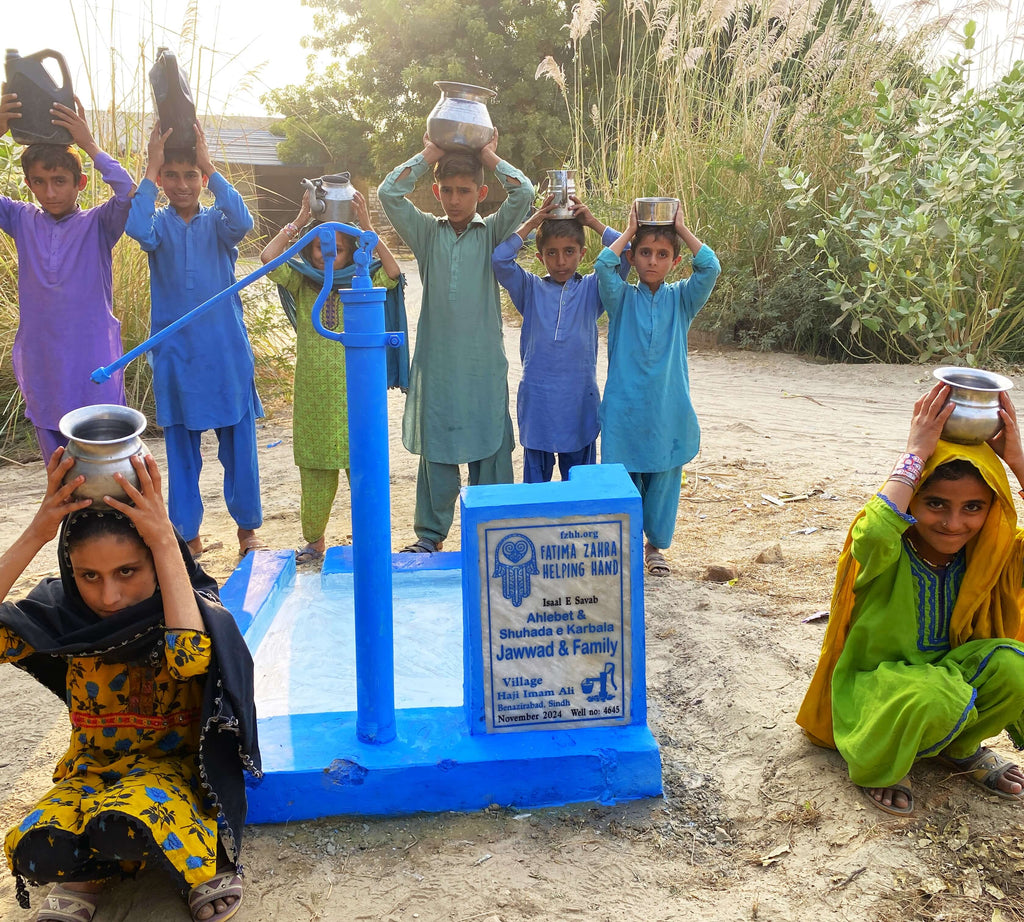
(103,439)
(460,119)
(656,210)
(561,184)
(975,393)
(331,198)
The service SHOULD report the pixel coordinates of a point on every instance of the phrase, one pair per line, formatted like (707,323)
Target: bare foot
(196,546)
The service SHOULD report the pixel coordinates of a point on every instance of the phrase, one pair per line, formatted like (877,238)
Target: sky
(250,46)
(257,42)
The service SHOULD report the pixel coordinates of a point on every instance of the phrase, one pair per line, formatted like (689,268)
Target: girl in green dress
(320,402)
(923,656)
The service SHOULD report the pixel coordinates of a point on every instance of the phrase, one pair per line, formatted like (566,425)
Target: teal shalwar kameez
(457,407)
(648,423)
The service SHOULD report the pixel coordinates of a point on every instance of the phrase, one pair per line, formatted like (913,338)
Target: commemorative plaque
(556,627)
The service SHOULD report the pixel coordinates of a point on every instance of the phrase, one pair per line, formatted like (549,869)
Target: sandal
(901,787)
(63,905)
(222,884)
(655,562)
(423,546)
(984,768)
(251,543)
(308,554)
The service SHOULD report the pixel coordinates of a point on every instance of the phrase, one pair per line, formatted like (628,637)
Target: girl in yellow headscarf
(923,656)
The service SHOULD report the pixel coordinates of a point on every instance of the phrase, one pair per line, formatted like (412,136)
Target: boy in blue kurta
(457,408)
(203,375)
(648,423)
(558,394)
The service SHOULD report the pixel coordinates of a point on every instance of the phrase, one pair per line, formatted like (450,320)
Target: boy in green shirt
(457,407)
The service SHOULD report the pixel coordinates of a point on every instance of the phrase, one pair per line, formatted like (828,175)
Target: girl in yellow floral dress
(158,683)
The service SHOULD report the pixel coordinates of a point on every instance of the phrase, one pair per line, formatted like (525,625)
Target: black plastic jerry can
(173,100)
(37,93)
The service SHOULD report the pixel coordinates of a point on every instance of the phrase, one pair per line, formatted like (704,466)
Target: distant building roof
(246,146)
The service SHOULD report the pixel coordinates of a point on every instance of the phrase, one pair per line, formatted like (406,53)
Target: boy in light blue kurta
(558,395)
(203,375)
(648,423)
(457,408)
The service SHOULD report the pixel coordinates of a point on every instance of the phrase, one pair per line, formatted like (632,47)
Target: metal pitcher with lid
(331,198)
(561,184)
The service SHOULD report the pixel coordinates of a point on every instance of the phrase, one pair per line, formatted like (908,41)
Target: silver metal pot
(561,184)
(102,439)
(976,395)
(460,119)
(331,198)
(656,210)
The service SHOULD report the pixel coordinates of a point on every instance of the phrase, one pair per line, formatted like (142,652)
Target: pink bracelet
(293,231)
(908,469)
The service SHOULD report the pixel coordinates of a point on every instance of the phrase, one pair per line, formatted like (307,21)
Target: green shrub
(920,250)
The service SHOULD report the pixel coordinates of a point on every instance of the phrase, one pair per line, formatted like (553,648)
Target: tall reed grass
(121,127)
(708,100)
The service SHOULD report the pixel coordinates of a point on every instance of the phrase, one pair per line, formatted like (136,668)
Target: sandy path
(755,824)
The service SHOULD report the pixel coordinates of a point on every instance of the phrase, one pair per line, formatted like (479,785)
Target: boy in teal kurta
(923,655)
(648,423)
(457,408)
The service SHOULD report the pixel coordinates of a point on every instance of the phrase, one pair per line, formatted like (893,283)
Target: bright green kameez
(899,692)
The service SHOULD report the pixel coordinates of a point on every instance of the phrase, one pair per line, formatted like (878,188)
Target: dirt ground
(755,823)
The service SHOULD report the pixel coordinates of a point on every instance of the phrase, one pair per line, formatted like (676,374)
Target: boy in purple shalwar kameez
(558,395)
(66,325)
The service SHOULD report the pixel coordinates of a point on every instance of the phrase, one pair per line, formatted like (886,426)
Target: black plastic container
(173,100)
(37,93)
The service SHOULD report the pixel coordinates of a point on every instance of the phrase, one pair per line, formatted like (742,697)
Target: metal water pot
(561,184)
(975,396)
(460,119)
(102,439)
(331,198)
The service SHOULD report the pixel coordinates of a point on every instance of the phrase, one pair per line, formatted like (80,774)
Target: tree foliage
(372,105)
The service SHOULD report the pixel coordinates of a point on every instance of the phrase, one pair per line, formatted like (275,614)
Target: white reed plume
(667,48)
(549,68)
(692,58)
(719,14)
(659,14)
(584,15)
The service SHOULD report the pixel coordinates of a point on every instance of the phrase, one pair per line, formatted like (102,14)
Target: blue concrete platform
(315,765)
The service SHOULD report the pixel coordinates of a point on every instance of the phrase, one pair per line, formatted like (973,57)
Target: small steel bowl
(656,210)
(975,393)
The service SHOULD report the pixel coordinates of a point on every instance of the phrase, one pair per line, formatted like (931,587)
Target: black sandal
(423,546)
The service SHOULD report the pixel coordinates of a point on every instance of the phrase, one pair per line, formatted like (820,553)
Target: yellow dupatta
(988,605)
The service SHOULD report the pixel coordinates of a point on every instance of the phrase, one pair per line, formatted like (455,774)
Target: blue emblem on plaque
(515,561)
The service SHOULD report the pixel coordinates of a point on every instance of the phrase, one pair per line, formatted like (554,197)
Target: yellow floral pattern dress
(128,789)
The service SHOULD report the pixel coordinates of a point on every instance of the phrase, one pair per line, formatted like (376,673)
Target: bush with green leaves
(920,250)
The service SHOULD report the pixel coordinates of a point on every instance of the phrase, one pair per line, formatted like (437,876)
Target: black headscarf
(55,621)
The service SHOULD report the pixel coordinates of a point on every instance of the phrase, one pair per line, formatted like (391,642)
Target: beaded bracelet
(908,469)
(292,230)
